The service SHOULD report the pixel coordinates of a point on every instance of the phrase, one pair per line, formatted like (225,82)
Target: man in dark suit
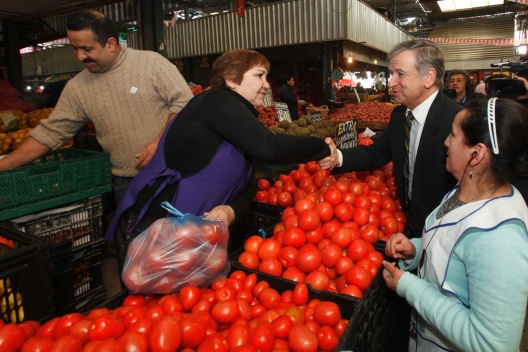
(417,69)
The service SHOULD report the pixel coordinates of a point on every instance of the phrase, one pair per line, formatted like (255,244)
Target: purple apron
(224,177)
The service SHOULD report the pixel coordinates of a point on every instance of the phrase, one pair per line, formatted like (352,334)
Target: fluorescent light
(455,5)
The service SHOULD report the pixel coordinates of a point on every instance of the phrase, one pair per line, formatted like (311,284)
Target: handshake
(331,161)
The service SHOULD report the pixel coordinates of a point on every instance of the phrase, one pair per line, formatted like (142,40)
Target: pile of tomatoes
(238,313)
(328,228)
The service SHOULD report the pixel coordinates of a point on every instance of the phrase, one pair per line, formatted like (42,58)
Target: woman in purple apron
(471,288)
(204,162)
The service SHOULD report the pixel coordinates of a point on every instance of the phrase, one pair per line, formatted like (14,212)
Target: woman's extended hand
(400,247)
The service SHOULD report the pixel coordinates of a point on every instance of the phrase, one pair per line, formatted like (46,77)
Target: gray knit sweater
(129,105)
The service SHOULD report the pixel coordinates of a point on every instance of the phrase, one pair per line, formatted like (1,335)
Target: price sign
(315,116)
(347,134)
(282,112)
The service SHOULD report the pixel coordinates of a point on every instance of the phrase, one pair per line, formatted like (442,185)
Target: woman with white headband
(471,284)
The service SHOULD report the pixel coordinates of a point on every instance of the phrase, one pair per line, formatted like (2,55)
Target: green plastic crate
(61,177)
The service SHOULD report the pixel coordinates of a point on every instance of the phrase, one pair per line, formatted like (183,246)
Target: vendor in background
(287,95)
(459,81)
(129,107)
(205,159)
(466,296)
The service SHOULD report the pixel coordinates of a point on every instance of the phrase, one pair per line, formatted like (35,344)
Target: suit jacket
(431,181)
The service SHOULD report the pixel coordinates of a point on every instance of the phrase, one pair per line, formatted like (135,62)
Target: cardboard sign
(315,116)
(347,134)
(282,112)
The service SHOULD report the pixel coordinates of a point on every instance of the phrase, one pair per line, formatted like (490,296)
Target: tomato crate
(259,220)
(58,178)
(348,305)
(26,291)
(91,301)
(79,223)
(381,324)
(270,170)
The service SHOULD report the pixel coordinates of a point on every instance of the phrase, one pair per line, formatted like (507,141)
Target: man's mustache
(87,61)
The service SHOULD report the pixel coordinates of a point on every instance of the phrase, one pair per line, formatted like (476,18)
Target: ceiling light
(456,5)
(349,59)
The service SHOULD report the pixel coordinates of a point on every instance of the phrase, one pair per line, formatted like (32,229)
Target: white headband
(492,126)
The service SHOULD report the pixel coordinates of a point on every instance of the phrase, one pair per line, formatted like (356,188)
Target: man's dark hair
(95,21)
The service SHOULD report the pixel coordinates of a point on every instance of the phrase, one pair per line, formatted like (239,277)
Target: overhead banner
(240,7)
(484,41)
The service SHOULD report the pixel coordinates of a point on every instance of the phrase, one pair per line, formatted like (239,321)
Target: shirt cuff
(339,158)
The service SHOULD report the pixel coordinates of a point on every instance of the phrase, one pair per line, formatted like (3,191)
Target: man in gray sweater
(129,95)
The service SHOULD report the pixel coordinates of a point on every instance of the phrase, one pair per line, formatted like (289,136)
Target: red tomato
(294,274)
(294,237)
(325,211)
(327,338)
(193,332)
(214,343)
(343,265)
(330,255)
(312,167)
(368,265)
(165,335)
(134,342)
(330,227)
(262,196)
(105,326)
(225,311)
(309,220)
(288,256)
(308,258)
(37,344)
(376,257)
(361,216)
(30,327)
(262,337)
(358,249)
(250,281)
(315,236)
(343,211)
(327,313)
(358,276)
(249,260)
(259,286)
(333,196)
(341,327)
(271,266)
(47,329)
(108,345)
(281,327)
(370,233)
(80,329)
(67,343)
(389,225)
(357,188)
(263,184)
(170,304)
(224,292)
(300,294)
(388,204)
(135,301)
(238,335)
(318,280)
(302,339)
(285,199)
(269,248)
(12,337)
(342,237)
(352,290)
(269,297)
(142,325)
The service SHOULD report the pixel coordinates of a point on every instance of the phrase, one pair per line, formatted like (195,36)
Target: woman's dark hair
(511,120)
(233,64)
(95,21)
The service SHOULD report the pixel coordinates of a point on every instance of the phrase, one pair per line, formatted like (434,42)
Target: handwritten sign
(282,112)
(315,116)
(347,134)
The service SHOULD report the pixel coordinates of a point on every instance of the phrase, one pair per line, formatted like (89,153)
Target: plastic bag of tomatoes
(175,251)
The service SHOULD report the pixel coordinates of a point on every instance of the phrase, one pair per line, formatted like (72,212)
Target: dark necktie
(408,123)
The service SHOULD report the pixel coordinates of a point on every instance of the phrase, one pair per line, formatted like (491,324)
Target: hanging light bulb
(375,61)
(349,59)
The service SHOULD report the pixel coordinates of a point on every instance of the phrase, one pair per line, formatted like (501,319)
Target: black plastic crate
(61,258)
(26,291)
(259,220)
(62,287)
(87,274)
(90,301)
(79,223)
(381,324)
